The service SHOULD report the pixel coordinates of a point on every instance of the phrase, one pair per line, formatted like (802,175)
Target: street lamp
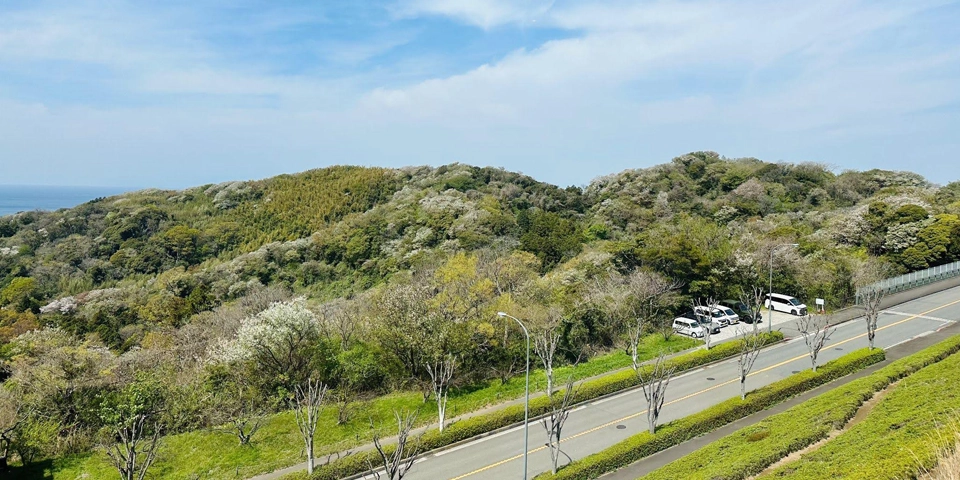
(770,291)
(526,402)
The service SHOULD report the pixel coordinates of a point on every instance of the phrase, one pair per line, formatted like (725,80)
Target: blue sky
(180,93)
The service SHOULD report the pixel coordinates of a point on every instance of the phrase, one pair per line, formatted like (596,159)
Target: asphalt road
(595,426)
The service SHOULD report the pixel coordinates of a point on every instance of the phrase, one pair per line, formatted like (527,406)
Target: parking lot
(779,319)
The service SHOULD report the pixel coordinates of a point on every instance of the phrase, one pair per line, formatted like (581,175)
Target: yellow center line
(701,392)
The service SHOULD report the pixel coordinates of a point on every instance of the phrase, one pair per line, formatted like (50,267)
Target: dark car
(741,309)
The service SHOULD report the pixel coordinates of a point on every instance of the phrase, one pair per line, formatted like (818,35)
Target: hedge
(670,434)
(750,450)
(901,435)
(471,427)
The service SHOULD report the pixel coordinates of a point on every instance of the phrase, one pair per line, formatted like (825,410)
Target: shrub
(736,457)
(645,444)
(471,427)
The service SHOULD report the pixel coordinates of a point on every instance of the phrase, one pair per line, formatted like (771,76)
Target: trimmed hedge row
(480,424)
(898,437)
(752,449)
(668,435)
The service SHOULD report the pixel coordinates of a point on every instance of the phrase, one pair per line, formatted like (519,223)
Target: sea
(21,198)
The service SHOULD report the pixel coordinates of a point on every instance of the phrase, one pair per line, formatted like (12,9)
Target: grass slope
(752,449)
(902,434)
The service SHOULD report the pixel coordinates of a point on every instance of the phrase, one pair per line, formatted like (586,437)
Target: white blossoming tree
(281,341)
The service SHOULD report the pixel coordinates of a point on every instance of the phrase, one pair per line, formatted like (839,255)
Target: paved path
(277,474)
(600,424)
(658,460)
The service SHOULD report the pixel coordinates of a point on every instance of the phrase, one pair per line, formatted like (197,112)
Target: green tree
(550,237)
(20,293)
(181,243)
(133,419)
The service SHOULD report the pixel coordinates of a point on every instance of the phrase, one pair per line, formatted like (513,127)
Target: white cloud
(483,13)
(627,45)
(626,81)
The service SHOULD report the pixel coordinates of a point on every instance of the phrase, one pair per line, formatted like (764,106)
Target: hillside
(338,230)
(400,267)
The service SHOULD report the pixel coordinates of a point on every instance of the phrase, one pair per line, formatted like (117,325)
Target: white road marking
(936,319)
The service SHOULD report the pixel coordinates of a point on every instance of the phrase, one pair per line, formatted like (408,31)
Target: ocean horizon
(25,198)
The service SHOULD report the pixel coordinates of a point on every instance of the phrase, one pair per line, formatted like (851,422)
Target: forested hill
(123,266)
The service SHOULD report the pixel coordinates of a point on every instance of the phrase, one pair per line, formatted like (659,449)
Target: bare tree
(11,416)
(646,291)
(308,403)
(136,447)
(654,381)
(134,417)
(554,421)
(506,367)
(815,330)
(753,300)
(871,298)
(703,309)
(750,346)
(441,373)
(239,405)
(397,463)
(343,397)
(870,294)
(635,333)
(632,301)
(546,340)
(342,319)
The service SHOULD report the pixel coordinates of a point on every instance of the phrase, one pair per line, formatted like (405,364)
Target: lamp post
(770,291)
(526,402)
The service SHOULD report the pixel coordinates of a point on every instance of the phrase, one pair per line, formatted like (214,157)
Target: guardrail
(914,279)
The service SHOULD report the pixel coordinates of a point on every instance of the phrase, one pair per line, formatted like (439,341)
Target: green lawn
(217,455)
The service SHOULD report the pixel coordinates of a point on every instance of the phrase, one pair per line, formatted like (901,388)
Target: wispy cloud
(560,89)
(483,13)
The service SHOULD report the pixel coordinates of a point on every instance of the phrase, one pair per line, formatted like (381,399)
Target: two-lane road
(597,425)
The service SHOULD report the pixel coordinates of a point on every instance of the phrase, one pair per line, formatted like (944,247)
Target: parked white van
(686,326)
(731,316)
(785,303)
(722,315)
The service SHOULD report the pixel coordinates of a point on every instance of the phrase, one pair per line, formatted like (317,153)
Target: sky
(179,93)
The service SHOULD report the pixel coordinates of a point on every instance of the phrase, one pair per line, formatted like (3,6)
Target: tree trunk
(310,457)
(442,410)
(549,373)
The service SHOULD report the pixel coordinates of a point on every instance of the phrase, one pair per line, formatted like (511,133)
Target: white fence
(915,279)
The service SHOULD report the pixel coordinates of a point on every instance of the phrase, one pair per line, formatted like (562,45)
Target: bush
(471,427)
(673,433)
(736,456)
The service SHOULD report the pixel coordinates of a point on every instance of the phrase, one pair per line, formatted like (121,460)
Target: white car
(732,317)
(688,326)
(785,303)
(721,315)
